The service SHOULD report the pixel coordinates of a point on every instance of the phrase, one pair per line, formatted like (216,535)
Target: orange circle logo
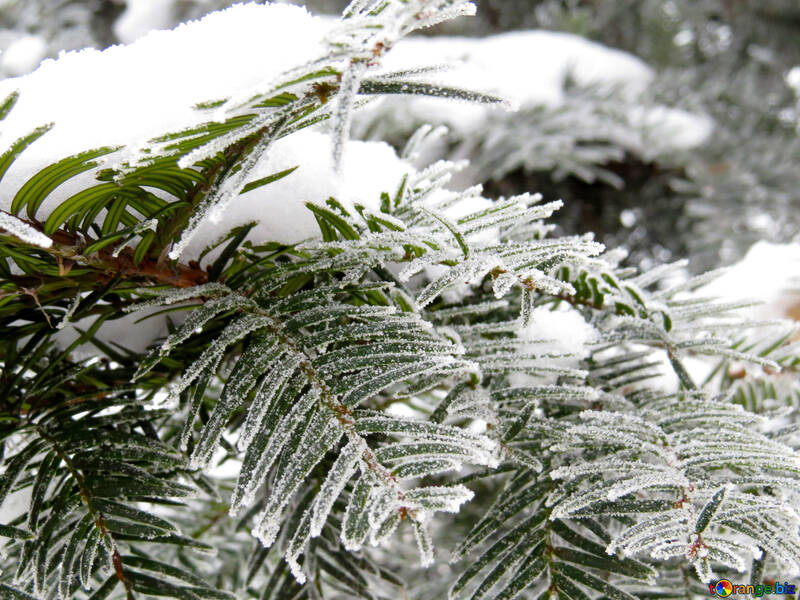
(723,588)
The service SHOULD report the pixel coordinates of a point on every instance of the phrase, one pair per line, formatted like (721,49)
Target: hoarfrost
(170,296)
(424,542)
(268,389)
(234,332)
(343,112)
(249,481)
(296,547)
(200,316)
(439,498)
(70,311)
(382,502)
(355,525)
(322,433)
(342,470)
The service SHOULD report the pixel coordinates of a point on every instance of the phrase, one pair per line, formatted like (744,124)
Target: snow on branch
(22,230)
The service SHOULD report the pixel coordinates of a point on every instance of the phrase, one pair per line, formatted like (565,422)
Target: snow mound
(669,129)
(559,339)
(131,93)
(126,95)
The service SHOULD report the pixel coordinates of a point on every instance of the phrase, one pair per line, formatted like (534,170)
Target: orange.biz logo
(724,588)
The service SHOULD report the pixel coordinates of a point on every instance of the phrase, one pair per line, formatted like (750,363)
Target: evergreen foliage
(571,471)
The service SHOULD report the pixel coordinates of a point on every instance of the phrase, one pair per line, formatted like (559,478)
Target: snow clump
(562,331)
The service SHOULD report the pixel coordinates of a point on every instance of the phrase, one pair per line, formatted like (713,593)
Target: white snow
(229,469)
(16,504)
(559,338)
(279,207)
(23,55)
(530,69)
(129,94)
(772,273)
(565,330)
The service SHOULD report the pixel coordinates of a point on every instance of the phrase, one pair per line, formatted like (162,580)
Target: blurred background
(733,65)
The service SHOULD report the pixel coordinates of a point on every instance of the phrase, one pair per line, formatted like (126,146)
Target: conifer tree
(429,394)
